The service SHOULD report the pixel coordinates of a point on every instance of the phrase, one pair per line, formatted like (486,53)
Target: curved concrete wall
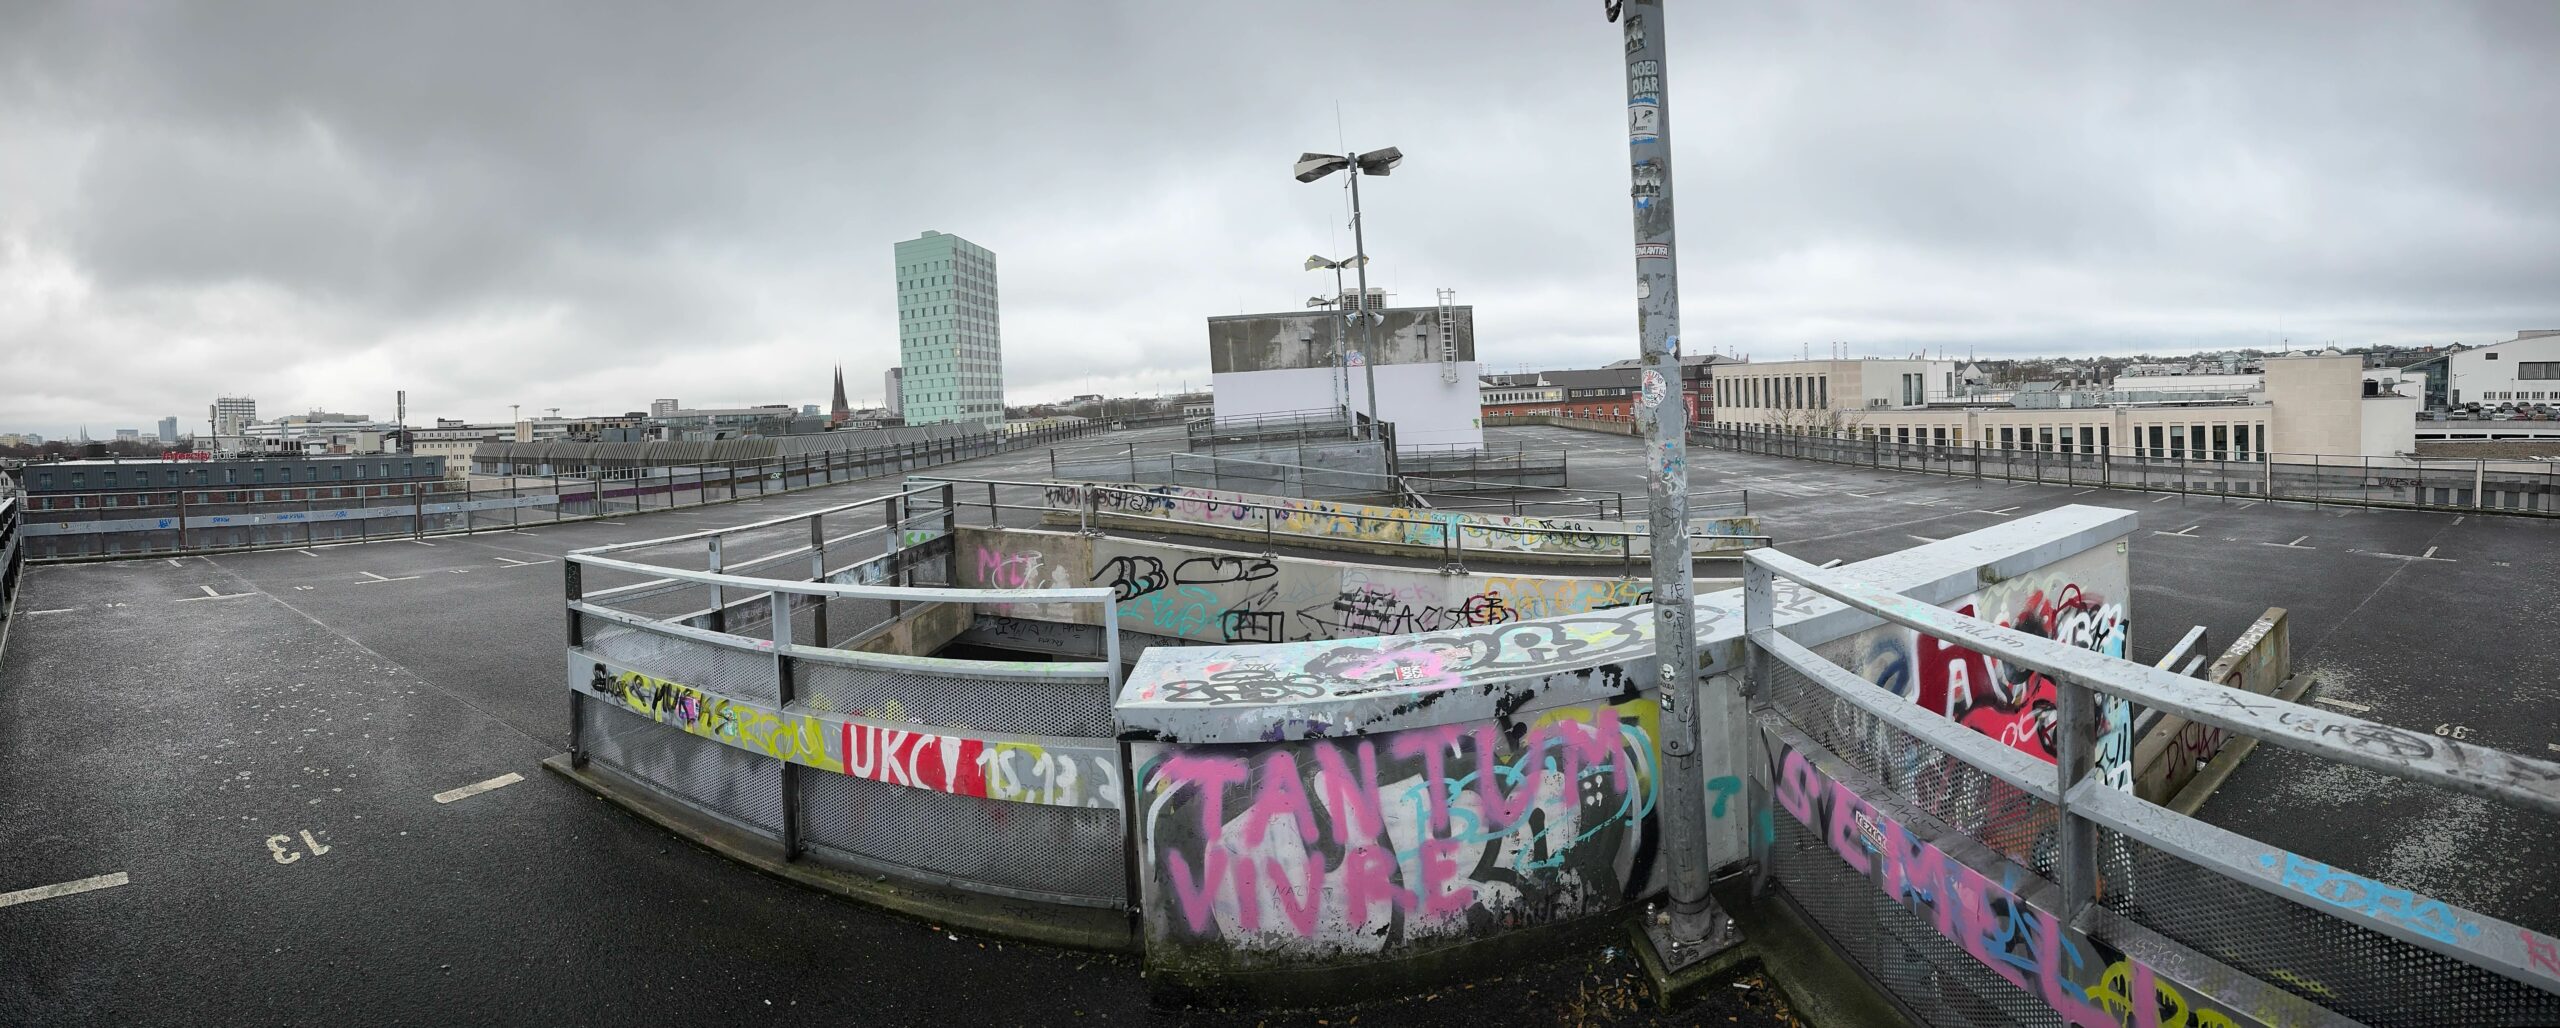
(1220,596)
(1374,528)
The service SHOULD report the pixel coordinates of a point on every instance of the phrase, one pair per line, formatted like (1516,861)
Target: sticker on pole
(1644,120)
(1655,251)
(1653,388)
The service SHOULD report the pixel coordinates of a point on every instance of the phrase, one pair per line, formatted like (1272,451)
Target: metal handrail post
(893,518)
(950,532)
(818,573)
(2077,866)
(573,588)
(785,693)
(711,563)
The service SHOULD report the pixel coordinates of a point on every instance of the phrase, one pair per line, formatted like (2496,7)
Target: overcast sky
(587,206)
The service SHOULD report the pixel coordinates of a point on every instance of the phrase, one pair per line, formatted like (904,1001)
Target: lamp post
(1313,166)
(1695,928)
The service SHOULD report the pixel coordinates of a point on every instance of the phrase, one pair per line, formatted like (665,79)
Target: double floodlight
(1316,262)
(1313,166)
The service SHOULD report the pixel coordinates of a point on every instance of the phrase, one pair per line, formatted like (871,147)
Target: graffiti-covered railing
(1451,535)
(1978,884)
(776,677)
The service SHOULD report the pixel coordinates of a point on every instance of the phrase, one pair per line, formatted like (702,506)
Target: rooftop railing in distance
(1447,535)
(2127,903)
(778,676)
(1214,471)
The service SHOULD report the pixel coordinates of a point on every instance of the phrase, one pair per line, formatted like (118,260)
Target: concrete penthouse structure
(949,345)
(1269,364)
(2306,405)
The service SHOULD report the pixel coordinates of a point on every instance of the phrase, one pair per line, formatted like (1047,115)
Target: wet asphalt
(255,740)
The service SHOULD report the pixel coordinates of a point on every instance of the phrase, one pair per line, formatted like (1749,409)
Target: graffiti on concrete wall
(1381,843)
(2083,979)
(1017,769)
(1371,523)
(1595,642)
(2078,600)
(1208,596)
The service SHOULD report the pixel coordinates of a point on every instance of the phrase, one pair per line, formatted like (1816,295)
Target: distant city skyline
(217,198)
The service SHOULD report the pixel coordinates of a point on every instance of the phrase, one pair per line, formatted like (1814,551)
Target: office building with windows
(951,351)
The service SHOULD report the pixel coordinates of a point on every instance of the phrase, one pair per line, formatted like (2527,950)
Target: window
(1822,392)
(2240,441)
(2008,438)
(44,480)
(2066,439)
(2538,371)
(79,479)
(257,476)
(2221,443)
(2489,356)
(2088,439)
(107,480)
(2178,441)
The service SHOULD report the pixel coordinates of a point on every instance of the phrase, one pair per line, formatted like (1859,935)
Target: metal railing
(198,519)
(2468,484)
(1447,534)
(1980,885)
(775,676)
(13,560)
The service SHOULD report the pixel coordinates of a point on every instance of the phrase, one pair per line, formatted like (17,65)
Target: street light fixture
(1313,166)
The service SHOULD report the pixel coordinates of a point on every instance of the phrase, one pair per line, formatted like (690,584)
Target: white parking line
(306,553)
(2342,705)
(2166,499)
(371,578)
(55,891)
(476,788)
(2084,492)
(56,610)
(1925,539)
(2296,544)
(2188,532)
(421,542)
(2001,513)
(173,562)
(514,563)
(209,594)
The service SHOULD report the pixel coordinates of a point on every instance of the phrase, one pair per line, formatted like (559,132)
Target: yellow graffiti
(2111,996)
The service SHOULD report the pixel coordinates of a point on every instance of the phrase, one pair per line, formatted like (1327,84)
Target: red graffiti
(919,760)
(2015,705)
(2541,950)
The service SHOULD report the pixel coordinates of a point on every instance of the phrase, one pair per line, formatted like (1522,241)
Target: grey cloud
(589,205)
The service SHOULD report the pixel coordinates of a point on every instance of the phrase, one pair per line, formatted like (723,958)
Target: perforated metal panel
(2355,971)
(1937,979)
(723,781)
(1919,775)
(1067,854)
(1075,707)
(738,673)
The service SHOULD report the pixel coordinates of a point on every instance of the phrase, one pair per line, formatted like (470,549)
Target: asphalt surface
(254,742)
(185,722)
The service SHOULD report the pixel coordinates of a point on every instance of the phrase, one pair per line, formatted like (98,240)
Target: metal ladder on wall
(1448,337)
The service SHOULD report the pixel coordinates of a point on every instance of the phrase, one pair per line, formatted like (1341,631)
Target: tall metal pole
(1368,322)
(1663,419)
